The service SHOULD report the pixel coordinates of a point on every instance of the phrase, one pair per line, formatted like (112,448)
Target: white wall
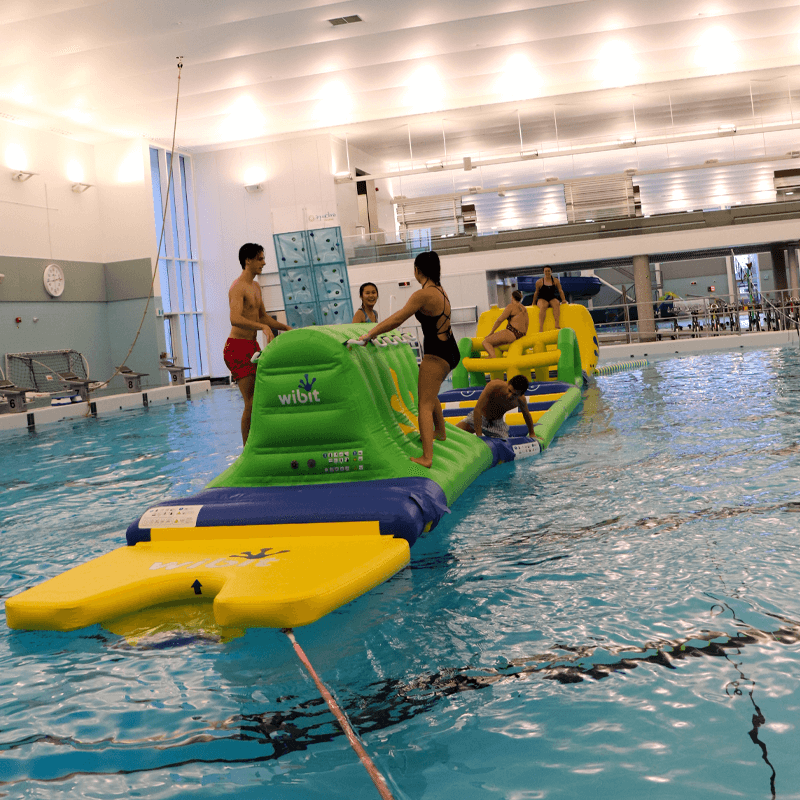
(298,193)
(126,201)
(42,217)
(346,197)
(464,282)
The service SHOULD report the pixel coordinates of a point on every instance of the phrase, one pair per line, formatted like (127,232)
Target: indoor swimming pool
(617,618)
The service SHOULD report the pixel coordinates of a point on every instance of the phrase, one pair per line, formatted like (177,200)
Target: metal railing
(367,248)
(698,317)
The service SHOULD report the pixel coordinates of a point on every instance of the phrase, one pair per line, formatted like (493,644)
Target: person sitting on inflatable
(517,316)
(546,295)
(497,397)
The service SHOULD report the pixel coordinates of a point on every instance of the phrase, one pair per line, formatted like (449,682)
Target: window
(179,269)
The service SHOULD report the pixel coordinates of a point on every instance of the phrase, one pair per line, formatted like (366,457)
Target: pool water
(618,618)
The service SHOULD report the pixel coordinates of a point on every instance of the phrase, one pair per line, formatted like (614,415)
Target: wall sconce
(252,188)
(80,187)
(21,175)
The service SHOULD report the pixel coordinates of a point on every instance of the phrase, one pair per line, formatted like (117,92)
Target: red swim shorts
(237,355)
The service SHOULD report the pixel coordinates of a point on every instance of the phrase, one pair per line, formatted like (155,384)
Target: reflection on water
(619,618)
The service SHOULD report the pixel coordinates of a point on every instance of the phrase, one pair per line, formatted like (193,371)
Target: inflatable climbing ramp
(321,506)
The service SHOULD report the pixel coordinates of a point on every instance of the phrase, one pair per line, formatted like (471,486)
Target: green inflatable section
(328,412)
(556,415)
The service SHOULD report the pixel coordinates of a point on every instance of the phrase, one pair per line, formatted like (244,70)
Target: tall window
(178,264)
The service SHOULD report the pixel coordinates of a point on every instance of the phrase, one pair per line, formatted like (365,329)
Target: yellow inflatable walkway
(274,576)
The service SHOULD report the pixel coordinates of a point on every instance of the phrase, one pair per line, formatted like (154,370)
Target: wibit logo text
(304,393)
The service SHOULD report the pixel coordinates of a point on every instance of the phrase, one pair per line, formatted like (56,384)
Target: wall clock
(54,280)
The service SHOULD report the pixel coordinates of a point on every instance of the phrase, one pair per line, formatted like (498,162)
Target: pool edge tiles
(109,404)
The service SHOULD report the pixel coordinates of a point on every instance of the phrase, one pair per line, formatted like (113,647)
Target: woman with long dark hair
(369,297)
(431,306)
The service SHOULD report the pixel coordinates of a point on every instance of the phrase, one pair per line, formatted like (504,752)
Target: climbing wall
(313,275)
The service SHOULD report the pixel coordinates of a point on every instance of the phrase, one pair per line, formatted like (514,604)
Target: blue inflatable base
(404,507)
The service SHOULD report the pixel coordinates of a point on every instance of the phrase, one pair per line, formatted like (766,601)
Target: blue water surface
(617,618)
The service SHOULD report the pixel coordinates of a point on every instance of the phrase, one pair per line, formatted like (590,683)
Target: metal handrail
(707,317)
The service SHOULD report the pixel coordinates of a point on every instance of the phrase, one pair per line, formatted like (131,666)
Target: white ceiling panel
(547,75)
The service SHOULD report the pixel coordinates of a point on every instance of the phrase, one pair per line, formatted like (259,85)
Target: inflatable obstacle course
(321,506)
(570,350)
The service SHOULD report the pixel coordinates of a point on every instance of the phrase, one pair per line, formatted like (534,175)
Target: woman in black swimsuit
(546,296)
(431,306)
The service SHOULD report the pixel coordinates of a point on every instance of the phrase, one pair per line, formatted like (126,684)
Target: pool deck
(106,404)
(685,345)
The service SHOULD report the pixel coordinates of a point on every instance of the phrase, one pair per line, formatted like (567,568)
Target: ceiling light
(254,175)
(518,80)
(425,90)
(16,158)
(716,50)
(76,115)
(244,120)
(335,104)
(75,171)
(253,188)
(616,65)
(81,187)
(19,95)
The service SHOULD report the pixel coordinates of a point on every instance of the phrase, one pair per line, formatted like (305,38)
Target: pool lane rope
(344,723)
(610,369)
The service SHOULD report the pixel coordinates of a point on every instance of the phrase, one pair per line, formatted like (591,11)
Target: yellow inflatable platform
(571,350)
(274,576)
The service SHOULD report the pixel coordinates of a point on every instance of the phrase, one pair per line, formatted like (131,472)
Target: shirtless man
(248,317)
(496,398)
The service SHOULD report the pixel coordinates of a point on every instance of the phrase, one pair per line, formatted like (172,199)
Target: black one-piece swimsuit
(431,328)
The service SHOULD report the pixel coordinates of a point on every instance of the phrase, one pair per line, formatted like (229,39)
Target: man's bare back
(496,398)
(499,398)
